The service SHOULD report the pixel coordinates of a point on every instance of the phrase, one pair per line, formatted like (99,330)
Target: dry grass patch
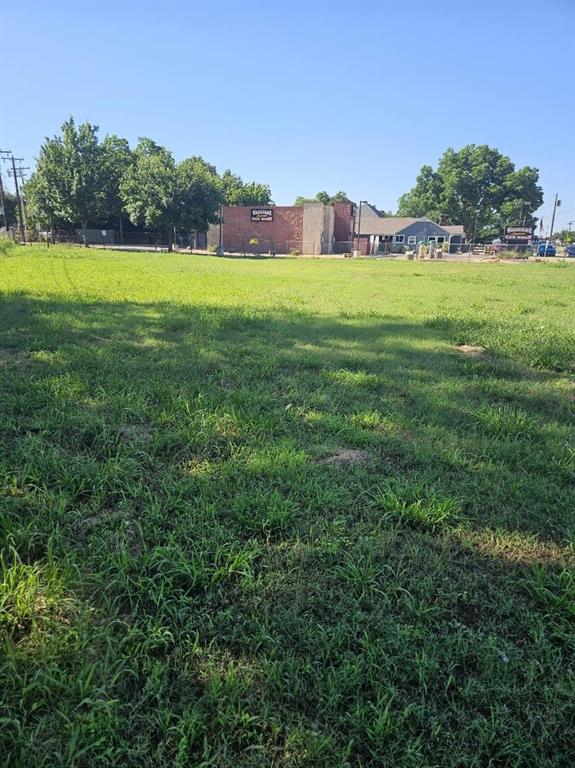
(346,456)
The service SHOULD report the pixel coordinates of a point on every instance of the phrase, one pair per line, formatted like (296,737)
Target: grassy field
(269,513)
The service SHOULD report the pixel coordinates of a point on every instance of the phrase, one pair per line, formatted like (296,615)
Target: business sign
(518,235)
(262,214)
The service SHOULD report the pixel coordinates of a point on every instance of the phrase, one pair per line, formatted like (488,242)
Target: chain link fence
(252,247)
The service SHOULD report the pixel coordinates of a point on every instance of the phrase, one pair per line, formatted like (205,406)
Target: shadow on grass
(194,583)
(486,431)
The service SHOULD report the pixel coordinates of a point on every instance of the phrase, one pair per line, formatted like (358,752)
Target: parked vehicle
(546,249)
(570,250)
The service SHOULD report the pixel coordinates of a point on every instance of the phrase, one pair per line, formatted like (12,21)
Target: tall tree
(68,181)
(199,194)
(158,193)
(476,186)
(237,192)
(117,157)
(149,188)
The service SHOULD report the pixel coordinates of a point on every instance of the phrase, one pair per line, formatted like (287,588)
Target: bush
(6,245)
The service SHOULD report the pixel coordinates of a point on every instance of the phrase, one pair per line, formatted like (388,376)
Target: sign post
(518,235)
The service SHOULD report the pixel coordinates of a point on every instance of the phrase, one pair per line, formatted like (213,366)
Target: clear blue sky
(302,95)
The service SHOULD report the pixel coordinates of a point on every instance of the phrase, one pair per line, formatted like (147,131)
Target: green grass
(194,574)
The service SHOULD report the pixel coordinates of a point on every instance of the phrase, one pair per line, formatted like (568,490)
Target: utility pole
(18,198)
(4,155)
(361,202)
(220,248)
(18,173)
(3,202)
(556,204)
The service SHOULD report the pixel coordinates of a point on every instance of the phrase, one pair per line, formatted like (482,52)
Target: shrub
(6,245)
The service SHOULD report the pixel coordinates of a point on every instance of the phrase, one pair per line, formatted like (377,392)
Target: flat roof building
(311,229)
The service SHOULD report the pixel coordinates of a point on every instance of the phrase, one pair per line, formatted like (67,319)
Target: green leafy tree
(237,192)
(117,157)
(149,188)
(565,235)
(68,183)
(478,187)
(39,213)
(159,194)
(199,194)
(426,198)
(10,217)
(322,197)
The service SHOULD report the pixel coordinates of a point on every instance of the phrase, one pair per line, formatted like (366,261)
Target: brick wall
(281,235)
(342,225)
(361,245)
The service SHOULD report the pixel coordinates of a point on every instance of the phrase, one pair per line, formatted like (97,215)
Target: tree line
(477,187)
(81,181)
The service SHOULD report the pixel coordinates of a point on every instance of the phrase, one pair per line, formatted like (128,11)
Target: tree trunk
(121,232)
(170,237)
(84,237)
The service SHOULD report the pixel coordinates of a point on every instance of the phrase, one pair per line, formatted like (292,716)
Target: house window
(411,240)
(398,239)
(440,239)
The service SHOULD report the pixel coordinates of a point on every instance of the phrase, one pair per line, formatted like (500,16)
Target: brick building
(310,229)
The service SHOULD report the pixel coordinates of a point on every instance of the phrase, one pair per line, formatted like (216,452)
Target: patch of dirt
(101,339)
(528,553)
(344,456)
(469,350)
(502,551)
(136,432)
(145,344)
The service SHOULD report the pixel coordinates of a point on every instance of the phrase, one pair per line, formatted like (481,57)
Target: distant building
(312,229)
(389,233)
(316,229)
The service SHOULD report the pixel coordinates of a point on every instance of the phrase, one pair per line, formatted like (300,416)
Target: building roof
(372,223)
(388,225)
